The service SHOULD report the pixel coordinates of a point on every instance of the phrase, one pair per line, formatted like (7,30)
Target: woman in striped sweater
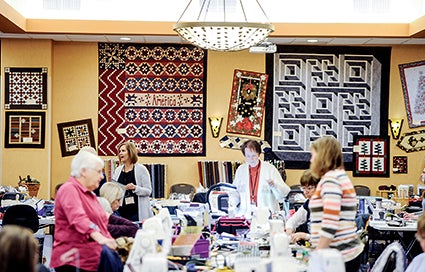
(333,205)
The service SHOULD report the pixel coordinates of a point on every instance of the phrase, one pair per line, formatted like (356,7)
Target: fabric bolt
(77,214)
(333,209)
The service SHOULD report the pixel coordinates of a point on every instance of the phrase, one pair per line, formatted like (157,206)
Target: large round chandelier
(224,25)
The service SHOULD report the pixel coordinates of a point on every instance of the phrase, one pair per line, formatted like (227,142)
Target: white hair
(84,160)
(88,148)
(105,205)
(111,191)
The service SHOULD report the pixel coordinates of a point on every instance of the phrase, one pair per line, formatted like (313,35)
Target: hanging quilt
(371,156)
(154,96)
(25,88)
(325,90)
(246,109)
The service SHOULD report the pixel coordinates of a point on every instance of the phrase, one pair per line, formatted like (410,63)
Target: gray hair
(105,205)
(88,148)
(111,191)
(84,160)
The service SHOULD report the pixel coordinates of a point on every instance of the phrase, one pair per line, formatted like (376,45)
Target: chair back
(392,259)
(183,188)
(362,190)
(22,215)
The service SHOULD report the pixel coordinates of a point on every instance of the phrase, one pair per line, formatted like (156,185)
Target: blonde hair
(105,204)
(131,149)
(328,155)
(421,224)
(111,191)
(19,249)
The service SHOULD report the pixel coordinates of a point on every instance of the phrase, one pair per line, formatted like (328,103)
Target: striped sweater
(333,210)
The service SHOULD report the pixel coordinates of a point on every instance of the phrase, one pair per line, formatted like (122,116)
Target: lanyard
(253,183)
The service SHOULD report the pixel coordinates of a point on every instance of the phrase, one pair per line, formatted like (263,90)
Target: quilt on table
(325,90)
(154,96)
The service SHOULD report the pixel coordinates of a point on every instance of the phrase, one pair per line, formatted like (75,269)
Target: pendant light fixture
(224,25)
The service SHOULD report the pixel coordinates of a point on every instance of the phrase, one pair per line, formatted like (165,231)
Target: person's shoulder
(417,263)
(140,166)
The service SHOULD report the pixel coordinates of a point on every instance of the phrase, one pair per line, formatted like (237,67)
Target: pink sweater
(77,214)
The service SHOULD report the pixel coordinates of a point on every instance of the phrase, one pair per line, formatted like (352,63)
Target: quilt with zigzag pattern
(154,96)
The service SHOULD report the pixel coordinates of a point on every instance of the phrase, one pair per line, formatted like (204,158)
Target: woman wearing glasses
(259,183)
(298,226)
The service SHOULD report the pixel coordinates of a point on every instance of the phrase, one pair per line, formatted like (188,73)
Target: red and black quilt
(154,96)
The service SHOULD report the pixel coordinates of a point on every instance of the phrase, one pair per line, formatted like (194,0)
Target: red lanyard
(253,182)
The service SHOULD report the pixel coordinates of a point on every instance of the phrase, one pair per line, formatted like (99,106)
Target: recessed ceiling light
(125,39)
(312,41)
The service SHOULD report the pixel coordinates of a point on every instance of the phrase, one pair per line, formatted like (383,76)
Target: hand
(111,243)
(270,182)
(298,236)
(410,216)
(130,186)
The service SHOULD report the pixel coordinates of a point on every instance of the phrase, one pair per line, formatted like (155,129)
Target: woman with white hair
(111,195)
(80,222)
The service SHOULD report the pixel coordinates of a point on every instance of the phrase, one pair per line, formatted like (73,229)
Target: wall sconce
(215,124)
(396,125)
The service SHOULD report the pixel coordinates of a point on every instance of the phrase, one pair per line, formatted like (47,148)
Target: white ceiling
(334,11)
(178,40)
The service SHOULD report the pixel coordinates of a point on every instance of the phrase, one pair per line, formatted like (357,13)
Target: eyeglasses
(308,188)
(98,171)
(419,237)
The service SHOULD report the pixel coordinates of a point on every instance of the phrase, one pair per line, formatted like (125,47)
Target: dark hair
(307,179)
(251,144)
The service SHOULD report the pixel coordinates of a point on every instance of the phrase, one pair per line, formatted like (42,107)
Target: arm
(297,219)
(279,188)
(300,236)
(119,226)
(143,181)
(102,240)
(331,197)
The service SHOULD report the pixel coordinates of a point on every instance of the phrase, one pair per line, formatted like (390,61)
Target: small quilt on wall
(371,156)
(412,141)
(25,88)
(24,129)
(246,109)
(154,96)
(75,135)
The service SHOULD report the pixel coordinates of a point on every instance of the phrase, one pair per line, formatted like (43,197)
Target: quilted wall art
(325,90)
(246,109)
(25,88)
(154,96)
(371,156)
(75,135)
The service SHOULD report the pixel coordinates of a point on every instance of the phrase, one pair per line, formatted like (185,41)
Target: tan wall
(73,73)
(23,161)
